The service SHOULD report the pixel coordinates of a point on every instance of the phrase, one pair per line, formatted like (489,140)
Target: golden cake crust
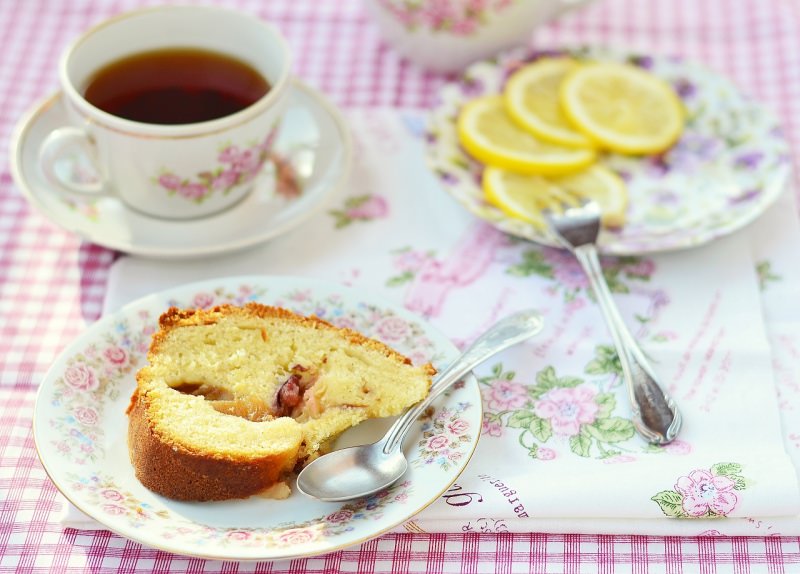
(175,317)
(170,460)
(170,469)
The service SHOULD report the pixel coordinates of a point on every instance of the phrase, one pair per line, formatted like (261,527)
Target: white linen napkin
(699,314)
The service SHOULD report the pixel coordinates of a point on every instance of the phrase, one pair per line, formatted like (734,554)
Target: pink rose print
(505,394)
(374,207)
(111,494)
(229,155)
(571,276)
(116,355)
(565,269)
(238,535)
(113,509)
(81,377)
(493,428)
(365,207)
(249,160)
(642,268)
(170,181)
(339,516)
(445,16)
(545,454)
(224,180)
(567,409)
(392,329)
(345,323)
(438,442)
(464,28)
(702,491)
(296,536)
(86,416)
(300,296)
(411,260)
(575,305)
(203,300)
(419,358)
(458,427)
(678,447)
(192,190)
(238,166)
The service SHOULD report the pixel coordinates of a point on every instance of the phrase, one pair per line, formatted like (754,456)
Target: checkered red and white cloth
(52,284)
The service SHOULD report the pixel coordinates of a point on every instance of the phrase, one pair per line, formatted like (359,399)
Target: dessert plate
(731,163)
(80,431)
(315,148)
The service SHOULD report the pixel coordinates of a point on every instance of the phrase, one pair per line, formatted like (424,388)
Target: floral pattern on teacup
(704,493)
(730,164)
(460,18)
(237,166)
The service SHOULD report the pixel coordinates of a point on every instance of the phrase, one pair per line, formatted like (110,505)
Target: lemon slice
(526,197)
(602,185)
(523,196)
(487,132)
(532,100)
(622,107)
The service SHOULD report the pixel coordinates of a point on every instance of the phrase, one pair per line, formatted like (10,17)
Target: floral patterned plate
(731,163)
(80,430)
(311,159)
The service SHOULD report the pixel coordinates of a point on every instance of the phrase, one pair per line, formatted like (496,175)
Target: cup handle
(68,159)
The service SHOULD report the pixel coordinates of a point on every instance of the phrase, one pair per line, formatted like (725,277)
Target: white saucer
(313,133)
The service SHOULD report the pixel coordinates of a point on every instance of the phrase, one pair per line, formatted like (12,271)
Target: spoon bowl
(363,470)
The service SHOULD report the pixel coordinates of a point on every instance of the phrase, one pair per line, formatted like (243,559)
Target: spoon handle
(655,415)
(503,334)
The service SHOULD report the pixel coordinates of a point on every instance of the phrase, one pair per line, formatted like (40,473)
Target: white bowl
(446,35)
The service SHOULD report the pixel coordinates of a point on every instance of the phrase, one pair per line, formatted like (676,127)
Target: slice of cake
(235,398)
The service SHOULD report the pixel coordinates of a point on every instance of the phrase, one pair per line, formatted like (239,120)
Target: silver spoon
(362,470)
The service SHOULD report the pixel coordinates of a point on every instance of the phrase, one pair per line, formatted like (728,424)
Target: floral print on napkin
(704,493)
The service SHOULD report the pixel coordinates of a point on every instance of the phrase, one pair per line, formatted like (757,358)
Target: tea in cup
(175,109)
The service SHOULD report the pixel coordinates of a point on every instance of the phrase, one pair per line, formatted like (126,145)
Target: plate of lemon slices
(674,153)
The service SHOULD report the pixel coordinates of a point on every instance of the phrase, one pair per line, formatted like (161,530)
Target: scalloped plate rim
(91,332)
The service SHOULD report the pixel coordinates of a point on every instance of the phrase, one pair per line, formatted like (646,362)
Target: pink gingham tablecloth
(52,284)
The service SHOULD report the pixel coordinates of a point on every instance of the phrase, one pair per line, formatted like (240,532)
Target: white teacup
(447,35)
(176,171)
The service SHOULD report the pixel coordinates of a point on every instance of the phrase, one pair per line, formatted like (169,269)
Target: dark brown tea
(175,86)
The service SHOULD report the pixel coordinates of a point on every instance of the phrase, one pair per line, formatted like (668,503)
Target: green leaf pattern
(556,409)
(561,267)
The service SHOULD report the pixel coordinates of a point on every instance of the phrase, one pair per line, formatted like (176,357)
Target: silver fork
(655,415)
